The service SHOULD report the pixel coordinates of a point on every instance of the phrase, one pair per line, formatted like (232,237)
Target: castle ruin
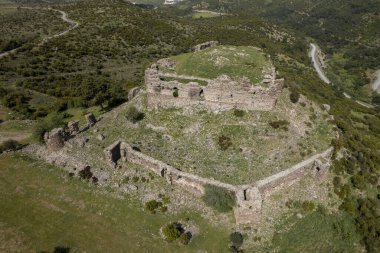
(165,89)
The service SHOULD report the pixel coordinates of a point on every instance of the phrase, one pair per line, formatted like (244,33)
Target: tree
(294,96)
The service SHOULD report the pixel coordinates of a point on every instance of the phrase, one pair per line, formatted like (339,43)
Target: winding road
(74,24)
(376,83)
(315,60)
(314,53)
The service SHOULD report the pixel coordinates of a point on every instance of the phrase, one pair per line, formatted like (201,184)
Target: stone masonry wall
(249,198)
(221,93)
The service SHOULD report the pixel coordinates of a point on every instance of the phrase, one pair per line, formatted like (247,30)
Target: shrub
(185,238)
(134,115)
(172,231)
(53,120)
(224,142)
(152,205)
(279,124)
(308,206)
(294,96)
(9,145)
(236,239)
(175,93)
(239,113)
(219,198)
(85,173)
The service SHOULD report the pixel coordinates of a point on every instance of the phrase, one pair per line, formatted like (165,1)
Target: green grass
(197,14)
(185,81)
(232,61)
(42,208)
(317,232)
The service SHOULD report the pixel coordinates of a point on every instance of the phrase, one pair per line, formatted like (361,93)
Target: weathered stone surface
(100,137)
(73,127)
(326,107)
(55,139)
(114,152)
(133,93)
(222,93)
(205,45)
(91,120)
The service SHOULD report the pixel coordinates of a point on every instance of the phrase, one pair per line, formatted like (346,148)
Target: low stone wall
(294,172)
(249,198)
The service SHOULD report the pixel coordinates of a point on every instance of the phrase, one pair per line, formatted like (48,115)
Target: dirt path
(376,84)
(74,24)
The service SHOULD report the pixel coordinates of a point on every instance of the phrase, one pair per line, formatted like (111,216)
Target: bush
(308,206)
(280,124)
(175,93)
(53,120)
(294,96)
(224,142)
(172,231)
(239,113)
(185,238)
(219,198)
(134,115)
(236,239)
(152,205)
(9,145)
(85,173)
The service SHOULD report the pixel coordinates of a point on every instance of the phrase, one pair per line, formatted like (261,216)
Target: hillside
(74,198)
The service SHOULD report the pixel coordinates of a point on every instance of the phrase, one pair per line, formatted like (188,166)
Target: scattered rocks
(100,137)
(326,107)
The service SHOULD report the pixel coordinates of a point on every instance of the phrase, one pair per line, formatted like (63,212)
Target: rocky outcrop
(55,139)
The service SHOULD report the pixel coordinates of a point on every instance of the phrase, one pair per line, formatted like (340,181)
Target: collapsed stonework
(91,120)
(55,139)
(205,45)
(222,93)
(73,127)
(249,198)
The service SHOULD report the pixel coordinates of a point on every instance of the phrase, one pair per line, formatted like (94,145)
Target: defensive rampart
(249,198)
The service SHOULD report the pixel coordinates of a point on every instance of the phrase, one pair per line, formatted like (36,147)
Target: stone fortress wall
(222,93)
(249,198)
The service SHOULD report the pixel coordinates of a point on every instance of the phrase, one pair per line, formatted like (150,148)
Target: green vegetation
(294,96)
(224,142)
(232,61)
(172,231)
(316,232)
(219,198)
(89,219)
(133,114)
(280,124)
(205,14)
(182,80)
(9,145)
(152,205)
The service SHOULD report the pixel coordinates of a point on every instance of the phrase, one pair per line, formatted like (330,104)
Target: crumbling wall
(73,127)
(114,152)
(312,165)
(205,45)
(249,198)
(55,139)
(91,120)
(222,93)
(248,205)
